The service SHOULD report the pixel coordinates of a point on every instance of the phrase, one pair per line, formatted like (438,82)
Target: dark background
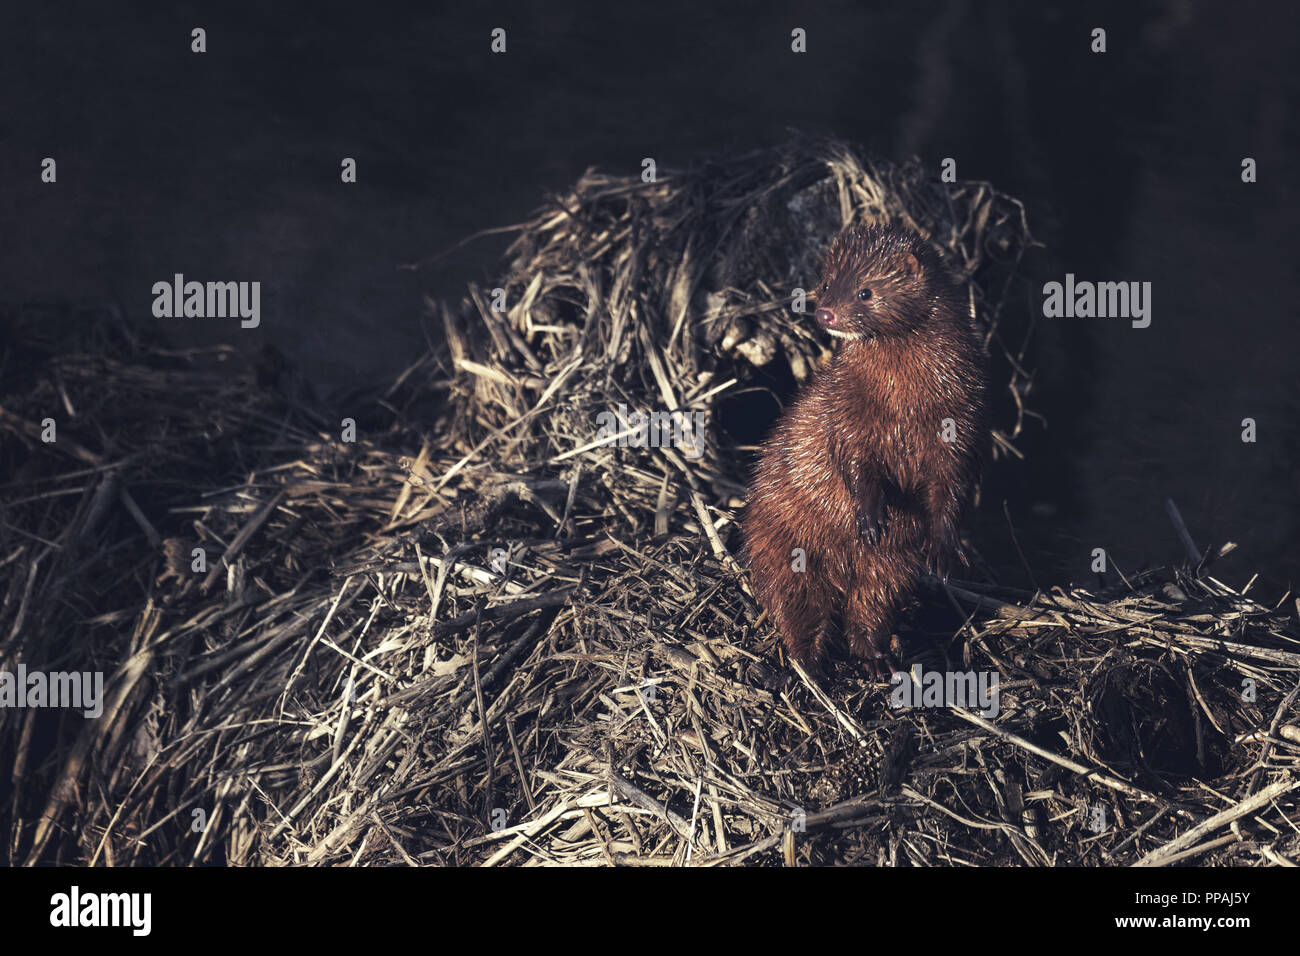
(226,166)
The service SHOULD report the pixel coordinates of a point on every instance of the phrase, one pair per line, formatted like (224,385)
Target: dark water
(226,166)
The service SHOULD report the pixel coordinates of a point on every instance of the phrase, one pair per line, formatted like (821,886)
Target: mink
(862,483)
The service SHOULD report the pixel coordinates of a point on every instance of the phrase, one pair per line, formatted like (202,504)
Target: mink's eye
(826,287)
(864,294)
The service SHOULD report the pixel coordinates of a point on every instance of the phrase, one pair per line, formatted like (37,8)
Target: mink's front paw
(936,561)
(941,547)
(871,524)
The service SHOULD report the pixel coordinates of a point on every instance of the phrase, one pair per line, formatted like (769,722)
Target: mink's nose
(826,317)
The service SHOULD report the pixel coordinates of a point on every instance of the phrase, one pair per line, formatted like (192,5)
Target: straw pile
(471,633)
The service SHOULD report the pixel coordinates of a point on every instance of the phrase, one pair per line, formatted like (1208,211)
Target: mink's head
(879,281)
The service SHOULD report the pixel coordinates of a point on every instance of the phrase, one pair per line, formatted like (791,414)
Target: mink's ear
(912,265)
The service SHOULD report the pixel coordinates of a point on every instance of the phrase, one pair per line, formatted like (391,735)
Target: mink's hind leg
(803,616)
(869,612)
(942,542)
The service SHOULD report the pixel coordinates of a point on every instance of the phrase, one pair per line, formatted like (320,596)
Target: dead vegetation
(476,634)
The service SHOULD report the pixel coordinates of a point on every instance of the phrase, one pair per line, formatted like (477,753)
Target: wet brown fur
(855,472)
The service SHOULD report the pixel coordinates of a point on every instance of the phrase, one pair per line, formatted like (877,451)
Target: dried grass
(476,636)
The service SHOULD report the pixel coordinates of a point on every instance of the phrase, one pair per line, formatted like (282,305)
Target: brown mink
(857,473)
